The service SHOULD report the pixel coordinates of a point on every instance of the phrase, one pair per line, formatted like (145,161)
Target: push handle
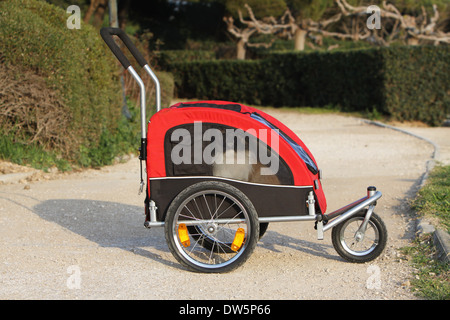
(107,34)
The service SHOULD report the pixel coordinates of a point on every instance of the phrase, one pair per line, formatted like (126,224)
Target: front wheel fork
(328,221)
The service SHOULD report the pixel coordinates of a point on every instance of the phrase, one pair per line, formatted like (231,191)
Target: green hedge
(169,57)
(81,74)
(417,83)
(75,63)
(407,83)
(218,79)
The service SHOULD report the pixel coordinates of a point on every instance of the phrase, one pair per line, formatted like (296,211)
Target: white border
(233,180)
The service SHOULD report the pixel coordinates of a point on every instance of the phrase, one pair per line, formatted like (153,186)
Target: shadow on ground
(111,224)
(273,240)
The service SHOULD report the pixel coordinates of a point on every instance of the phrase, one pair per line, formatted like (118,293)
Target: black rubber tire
(208,188)
(263,228)
(379,230)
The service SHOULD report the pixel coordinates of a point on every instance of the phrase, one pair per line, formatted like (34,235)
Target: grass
(19,152)
(433,199)
(18,149)
(432,278)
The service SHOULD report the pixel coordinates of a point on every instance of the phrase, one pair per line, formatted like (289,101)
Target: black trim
(232,107)
(143,150)
(269,200)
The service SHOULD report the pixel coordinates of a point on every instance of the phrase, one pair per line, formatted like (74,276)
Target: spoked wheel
(354,247)
(211,227)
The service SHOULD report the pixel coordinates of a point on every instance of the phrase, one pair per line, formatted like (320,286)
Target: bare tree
(267,25)
(299,30)
(97,8)
(415,29)
(410,29)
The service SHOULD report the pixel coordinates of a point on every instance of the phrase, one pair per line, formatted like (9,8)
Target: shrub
(407,83)
(168,57)
(74,63)
(64,93)
(219,79)
(417,83)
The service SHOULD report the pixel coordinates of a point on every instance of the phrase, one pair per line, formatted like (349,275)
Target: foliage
(83,4)
(174,23)
(406,83)
(411,7)
(313,9)
(417,83)
(22,152)
(261,8)
(434,198)
(132,90)
(219,79)
(168,57)
(431,278)
(74,63)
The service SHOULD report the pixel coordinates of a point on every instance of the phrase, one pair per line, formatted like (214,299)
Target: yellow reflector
(184,235)
(238,239)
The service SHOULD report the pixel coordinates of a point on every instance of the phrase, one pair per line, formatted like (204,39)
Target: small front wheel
(353,246)
(211,227)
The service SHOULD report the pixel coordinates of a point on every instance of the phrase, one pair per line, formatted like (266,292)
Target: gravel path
(81,235)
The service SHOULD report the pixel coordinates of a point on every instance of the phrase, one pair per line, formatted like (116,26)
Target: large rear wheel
(211,227)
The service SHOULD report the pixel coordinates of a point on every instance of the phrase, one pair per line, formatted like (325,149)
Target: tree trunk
(299,39)
(91,10)
(100,13)
(241,49)
(113,18)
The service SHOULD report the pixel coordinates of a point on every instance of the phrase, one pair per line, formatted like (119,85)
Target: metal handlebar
(107,34)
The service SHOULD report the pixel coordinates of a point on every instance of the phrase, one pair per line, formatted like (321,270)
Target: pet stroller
(218,172)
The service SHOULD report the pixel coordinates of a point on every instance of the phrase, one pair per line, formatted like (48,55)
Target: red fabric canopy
(208,112)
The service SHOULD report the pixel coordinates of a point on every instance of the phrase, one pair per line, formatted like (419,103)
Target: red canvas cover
(176,115)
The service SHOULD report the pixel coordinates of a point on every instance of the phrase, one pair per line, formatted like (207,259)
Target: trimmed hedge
(63,88)
(169,57)
(417,83)
(227,79)
(74,63)
(407,83)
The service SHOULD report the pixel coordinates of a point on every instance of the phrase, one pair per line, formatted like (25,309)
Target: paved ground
(439,135)
(81,236)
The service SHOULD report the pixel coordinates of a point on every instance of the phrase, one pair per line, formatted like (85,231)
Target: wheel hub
(359,236)
(211,229)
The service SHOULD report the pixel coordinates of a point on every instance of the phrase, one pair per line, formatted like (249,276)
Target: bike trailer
(218,172)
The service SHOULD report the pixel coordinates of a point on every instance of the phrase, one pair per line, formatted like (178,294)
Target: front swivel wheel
(356,246)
